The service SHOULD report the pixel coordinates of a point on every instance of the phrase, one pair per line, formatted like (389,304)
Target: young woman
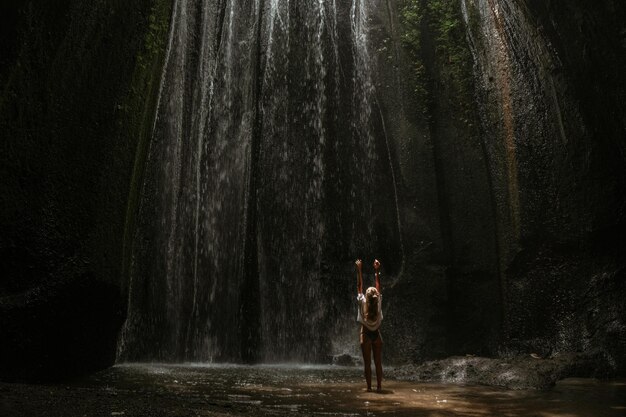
(370,316)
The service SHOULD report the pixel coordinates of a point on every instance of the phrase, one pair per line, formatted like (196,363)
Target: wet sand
(230,390)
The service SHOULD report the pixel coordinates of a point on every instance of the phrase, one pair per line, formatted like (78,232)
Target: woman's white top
(371,325)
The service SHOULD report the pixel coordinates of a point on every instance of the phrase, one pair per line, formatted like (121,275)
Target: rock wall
(527,159)
(563,229)
(523,118)
(77,81)
(569,261)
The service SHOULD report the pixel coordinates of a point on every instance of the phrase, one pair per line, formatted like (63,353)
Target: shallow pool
(280,390)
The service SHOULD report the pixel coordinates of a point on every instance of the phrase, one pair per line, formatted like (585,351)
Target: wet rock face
(59,329)
(528,197)
(565,244)
(69,133)
(568,302)
(557,186)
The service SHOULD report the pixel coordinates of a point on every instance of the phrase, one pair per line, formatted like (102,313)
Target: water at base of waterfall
(308,390)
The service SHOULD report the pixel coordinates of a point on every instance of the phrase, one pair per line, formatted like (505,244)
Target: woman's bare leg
(378,354)
(366,347)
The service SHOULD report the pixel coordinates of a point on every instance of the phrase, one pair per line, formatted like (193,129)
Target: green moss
(140,107)
(411,18)
(452,53)
(439,22)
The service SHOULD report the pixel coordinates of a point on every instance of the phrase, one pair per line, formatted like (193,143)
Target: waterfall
(259,181)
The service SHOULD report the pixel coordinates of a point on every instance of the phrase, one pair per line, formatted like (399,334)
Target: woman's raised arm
(377,268)
(359,276)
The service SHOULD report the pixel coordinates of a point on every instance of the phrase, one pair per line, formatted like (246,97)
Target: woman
(370,316)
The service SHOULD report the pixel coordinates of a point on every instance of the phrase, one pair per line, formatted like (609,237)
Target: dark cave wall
(568,265)
(563,243)
(78,80)
(508,121)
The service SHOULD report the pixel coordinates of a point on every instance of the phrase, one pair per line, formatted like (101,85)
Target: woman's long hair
(371,304)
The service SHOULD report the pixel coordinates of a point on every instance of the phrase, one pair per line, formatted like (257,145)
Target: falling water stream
(260,177)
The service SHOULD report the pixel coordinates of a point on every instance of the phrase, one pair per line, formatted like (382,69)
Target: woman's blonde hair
(371,303)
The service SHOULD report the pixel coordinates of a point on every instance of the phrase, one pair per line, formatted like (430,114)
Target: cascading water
(259,181)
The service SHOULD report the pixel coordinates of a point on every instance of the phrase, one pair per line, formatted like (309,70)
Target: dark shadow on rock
(52,332)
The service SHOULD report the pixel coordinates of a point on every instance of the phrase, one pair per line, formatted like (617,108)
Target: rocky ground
(518,372)
(528,372)
(229,390)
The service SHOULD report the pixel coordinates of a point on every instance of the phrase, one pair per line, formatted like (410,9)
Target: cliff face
(521,105)
(561,209)
(76,82)
(480,154)
(570,265)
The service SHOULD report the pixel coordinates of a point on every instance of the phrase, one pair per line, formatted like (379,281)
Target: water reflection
(328,390)
(279,390)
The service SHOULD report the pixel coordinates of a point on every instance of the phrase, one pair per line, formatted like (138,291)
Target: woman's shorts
(369,336)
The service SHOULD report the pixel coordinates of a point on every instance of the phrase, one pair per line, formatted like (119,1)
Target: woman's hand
(358,264)
(377,267)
